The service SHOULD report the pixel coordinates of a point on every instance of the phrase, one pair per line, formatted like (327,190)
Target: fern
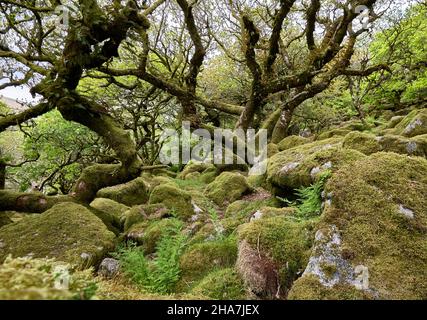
(310,198)
(160,274)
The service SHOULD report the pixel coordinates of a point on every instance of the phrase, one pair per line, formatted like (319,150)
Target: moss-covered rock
(291,142)
(110,206)
(374,236)
(369,143)
(363,142)
(272,149)
(43,279)
(224,284)
(194,167)
(148,233)
(414,124)
(333,133)
(209,175)
(154,181)
(201,258)
(178,201)
(130,193)
(301,166)
(416,146)
(68,232)
(145,212)
(272,252)
(227,187)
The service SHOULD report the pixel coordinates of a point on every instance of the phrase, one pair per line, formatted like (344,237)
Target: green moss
(224,284)
(4,219)
(227,187)
(143,213)
(416,146)
(309,288)
(67,232)
(303,165)
(378,205)
(194,167)
(257,180)
(110,206)
(283,241)
(272,149)
(291,142)
(333,133)
(39,279)
(175,199)
(201,258)
(154,181)
(414,124)
(131,193)
(363,142)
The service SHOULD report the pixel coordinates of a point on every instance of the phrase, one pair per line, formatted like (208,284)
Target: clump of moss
(227,187)
(282,243)
(4,219)
(201,258)
(301,166)
(381,227)
(291,142)
(414,124)
(363,142)
(272,149)
(43,279)
(68,232)
(176,200)
(110,206)
(154,181)
(223,284)
(333,134)
(193,167)
(257,181)
(130,193)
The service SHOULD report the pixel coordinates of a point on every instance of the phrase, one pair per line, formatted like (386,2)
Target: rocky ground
(246,237)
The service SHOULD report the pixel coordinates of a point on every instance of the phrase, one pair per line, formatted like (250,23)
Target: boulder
(68,232)
(201,258)
(110,206)
(223,284)
(292,141)
(302,165)
(273,251)
(194,167)
(369,143)
(176,200)
(414,124)
(227,188)
(130,193)
(372,239)
(109,268)
(364,142)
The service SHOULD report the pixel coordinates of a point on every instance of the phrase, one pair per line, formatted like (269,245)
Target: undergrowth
(309,202)
(160,274)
